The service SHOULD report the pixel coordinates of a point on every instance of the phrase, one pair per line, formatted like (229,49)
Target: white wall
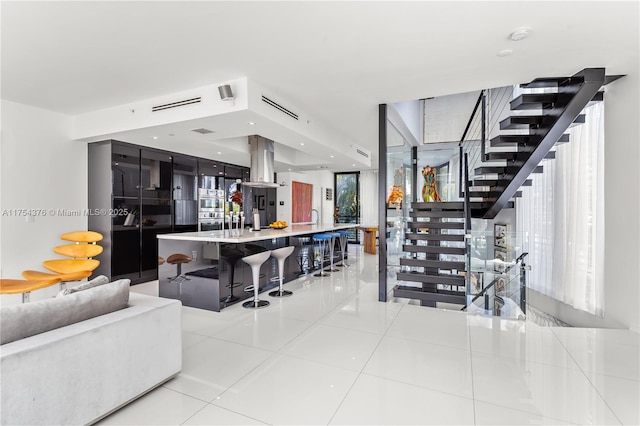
(622,200)
(41,169)
(412,113)
(320,180)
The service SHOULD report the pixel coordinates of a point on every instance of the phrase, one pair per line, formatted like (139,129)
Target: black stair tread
(513,140)
(550,155)
(415,236)
(580,119)
(435,225)
(483,194)
(564,138)
(446,205)
(409,292)
(544,82)
(489,182)
(598,97)
(493,183)
(521,121)
(486,170)
(432,249)
(437,213)
(534,101)
(430,263)
(419,277)
(611,78)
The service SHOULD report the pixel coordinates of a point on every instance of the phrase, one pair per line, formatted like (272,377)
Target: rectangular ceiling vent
(202,131)
(364,154)
(279,107)
(176,104)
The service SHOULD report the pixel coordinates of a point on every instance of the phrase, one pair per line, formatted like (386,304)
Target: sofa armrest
(79,373)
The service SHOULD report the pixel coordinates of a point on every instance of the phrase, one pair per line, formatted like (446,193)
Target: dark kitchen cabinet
(185,193)
(149,192)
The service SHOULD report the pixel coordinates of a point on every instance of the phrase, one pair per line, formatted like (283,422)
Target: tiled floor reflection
(333,354)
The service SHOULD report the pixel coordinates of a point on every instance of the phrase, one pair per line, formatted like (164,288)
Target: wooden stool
(178,259)
(25,287)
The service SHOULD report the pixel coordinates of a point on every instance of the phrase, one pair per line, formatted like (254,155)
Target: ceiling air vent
(364,154)
(202,131)
(176,104)
(279,107)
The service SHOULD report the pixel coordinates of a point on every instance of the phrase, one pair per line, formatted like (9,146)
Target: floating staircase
(435,230)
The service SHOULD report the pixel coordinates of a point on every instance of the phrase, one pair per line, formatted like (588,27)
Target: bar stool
(322,240)
(332,244)
(231,256)
(344,236)
(256,261)
(281,255)
(178,259)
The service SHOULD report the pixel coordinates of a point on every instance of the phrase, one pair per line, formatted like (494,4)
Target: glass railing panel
(497,277)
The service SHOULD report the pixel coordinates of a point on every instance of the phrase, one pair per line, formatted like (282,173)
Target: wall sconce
(225,92)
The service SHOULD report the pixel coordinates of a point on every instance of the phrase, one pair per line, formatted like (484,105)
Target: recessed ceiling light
(519,33)
(251,123)
(301,143)
(219,153)
(332,156)
(353,165)
(505,52)
(289,169)
(155,137)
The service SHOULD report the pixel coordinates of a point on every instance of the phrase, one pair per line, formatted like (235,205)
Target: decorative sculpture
(429,190)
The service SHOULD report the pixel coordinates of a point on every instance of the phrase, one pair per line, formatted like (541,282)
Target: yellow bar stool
(10,286)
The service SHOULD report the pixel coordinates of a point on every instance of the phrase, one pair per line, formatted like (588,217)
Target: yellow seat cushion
(77,251)
(39,275)
(9,286)
(66,266)
(82,236)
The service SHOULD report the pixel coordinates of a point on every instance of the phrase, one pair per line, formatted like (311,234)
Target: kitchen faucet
(317,216)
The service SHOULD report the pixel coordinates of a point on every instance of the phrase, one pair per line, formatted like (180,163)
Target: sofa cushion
(28,319)
(97,281)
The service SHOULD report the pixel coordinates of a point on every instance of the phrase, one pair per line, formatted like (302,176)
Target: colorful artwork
(477,282)
(500,235)
(429,190)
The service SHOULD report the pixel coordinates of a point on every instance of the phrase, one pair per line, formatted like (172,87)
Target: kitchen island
(204,269)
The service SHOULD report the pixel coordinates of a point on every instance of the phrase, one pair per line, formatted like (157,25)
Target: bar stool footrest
(278,293)
(255,304)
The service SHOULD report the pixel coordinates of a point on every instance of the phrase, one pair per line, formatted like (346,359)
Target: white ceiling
(336,61)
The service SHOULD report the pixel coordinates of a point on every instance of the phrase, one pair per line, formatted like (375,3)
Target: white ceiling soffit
(333,61)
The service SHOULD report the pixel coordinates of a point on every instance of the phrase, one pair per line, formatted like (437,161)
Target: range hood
(262,169)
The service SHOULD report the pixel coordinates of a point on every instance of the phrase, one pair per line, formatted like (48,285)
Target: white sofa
(79,373)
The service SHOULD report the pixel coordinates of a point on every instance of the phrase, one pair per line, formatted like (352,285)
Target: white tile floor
(333,354)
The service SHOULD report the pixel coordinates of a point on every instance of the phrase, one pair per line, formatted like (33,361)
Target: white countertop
(246,236)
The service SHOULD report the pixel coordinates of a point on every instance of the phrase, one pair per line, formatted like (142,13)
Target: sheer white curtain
(369,197)
(561,218)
